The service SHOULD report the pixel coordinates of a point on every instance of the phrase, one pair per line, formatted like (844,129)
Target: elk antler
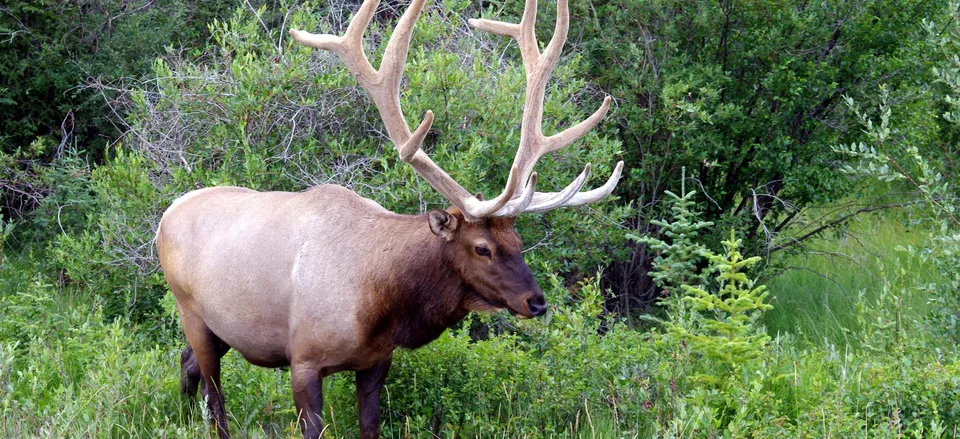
(384,87)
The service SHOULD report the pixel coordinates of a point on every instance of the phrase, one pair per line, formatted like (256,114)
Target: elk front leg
(308,399)
(369,384)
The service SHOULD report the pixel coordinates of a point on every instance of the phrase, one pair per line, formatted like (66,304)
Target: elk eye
(483,251)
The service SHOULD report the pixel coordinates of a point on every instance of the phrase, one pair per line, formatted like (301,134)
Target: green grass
(66,371)
(818,295)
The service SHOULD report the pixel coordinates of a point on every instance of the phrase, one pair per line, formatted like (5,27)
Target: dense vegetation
(810,147)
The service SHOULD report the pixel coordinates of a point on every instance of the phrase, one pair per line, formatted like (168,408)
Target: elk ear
(506,222)
(443,224)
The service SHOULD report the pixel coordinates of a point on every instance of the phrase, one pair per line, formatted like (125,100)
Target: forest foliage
(755,135)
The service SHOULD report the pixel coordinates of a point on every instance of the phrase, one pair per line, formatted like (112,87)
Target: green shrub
(747,97)
(50,51)
(534,381)
(66,371)
(6,229)
(887,158)
(90,340)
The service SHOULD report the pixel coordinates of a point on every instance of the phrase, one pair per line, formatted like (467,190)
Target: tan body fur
(324,281)
(284,277)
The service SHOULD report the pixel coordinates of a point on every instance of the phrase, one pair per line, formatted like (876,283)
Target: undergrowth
(864,346)
(66,371)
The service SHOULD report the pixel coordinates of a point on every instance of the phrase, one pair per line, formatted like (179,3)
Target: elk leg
(207,350)
(222,349)
(369,384)
(190,377)
(308,398)
(189,373)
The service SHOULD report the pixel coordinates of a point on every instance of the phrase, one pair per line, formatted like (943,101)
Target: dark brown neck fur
(417,295)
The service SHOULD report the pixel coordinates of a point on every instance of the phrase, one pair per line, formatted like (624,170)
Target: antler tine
(558,198)
(566,137)
(533,144)
(383,86)
(519,205)
(546,200)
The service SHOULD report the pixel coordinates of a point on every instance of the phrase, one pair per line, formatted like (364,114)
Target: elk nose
(537,305)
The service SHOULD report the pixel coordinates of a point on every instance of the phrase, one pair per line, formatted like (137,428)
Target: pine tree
(678,251)
(726,322)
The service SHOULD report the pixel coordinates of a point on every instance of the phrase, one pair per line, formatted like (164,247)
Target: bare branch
(839,221)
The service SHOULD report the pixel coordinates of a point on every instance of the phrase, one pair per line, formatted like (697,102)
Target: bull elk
(324,280)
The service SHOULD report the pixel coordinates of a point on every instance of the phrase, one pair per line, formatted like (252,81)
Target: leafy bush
(65,370)
(747,97)
(48,53)
(888,158)
(89,341)
(6,229)
(60,67)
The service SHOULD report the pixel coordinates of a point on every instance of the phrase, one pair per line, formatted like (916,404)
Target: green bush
(748,97)
(66,371)
(887,157)
(90,338)
(6,229)
(49,52)
(61,65)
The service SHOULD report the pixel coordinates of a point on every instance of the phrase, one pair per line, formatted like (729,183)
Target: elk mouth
(520,315)
(476,302)
(517,314)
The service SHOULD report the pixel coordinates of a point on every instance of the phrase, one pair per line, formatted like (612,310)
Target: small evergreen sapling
(678,253)
(726,326)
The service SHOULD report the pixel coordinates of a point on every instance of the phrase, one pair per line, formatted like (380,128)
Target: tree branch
(841,220)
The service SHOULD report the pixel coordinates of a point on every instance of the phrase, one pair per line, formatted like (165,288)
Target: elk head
(482,244)
(486,255)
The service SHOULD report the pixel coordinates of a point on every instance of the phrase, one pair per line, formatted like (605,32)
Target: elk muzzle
(537,304)
(532,304)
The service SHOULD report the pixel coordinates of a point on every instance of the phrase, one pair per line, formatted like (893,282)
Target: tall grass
(821,294)
(66,371)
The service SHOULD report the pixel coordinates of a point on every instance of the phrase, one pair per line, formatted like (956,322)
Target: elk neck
(420,295)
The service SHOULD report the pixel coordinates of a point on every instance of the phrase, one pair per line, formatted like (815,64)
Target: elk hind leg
(369,384)
(207,350)
(189,373)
